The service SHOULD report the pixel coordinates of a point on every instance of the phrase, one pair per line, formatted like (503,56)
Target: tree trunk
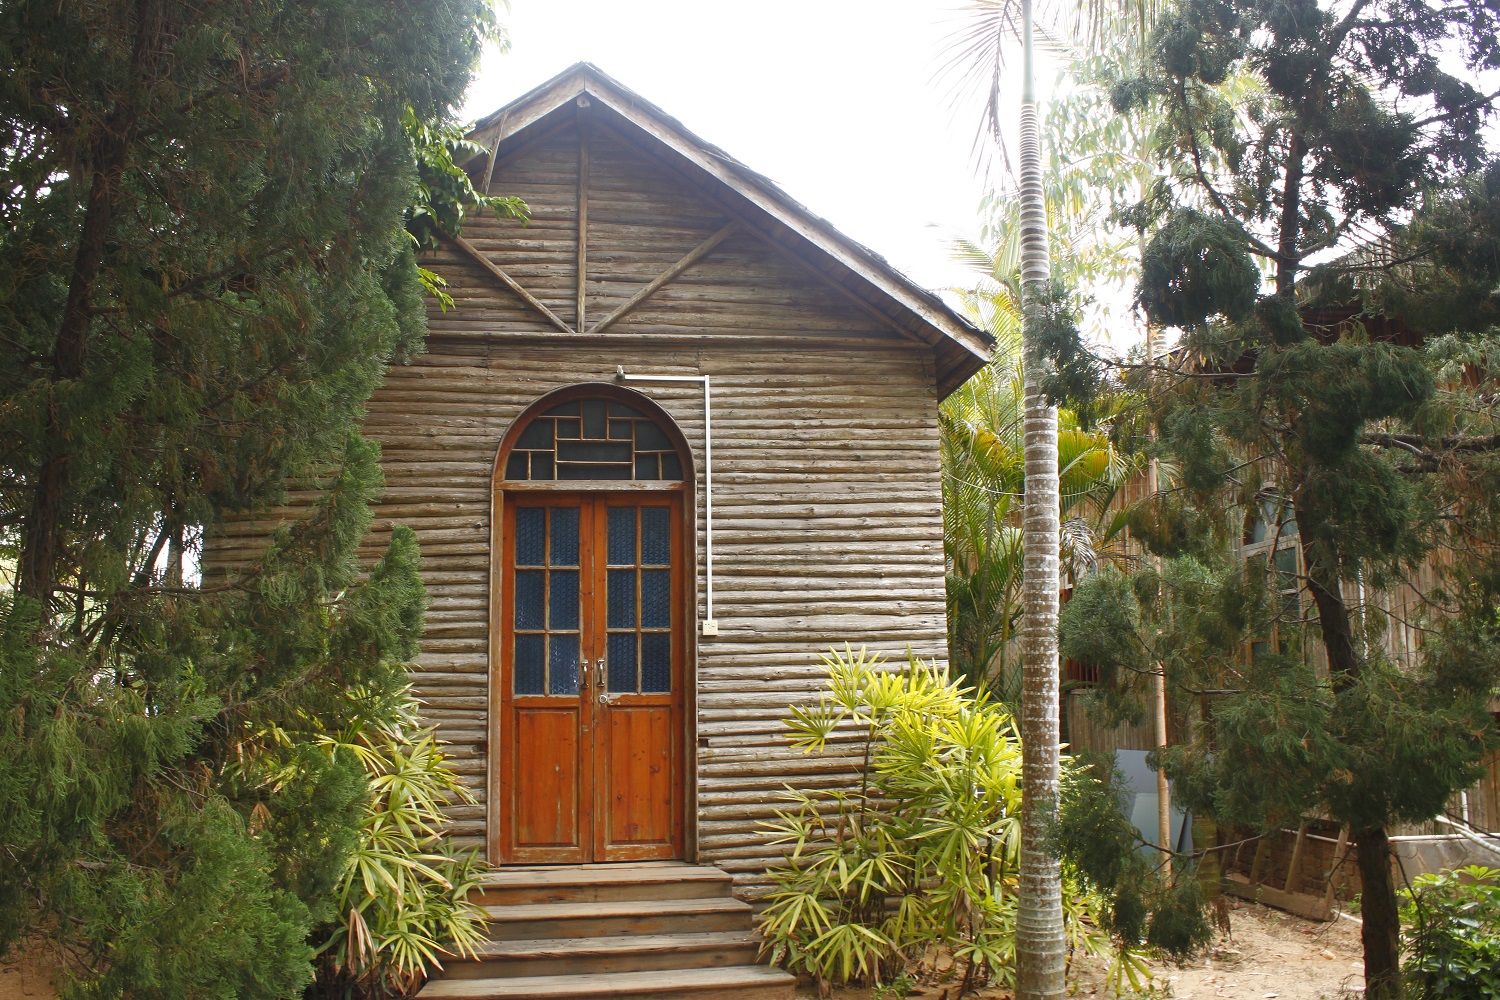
(1381,932)
(1041,949)
(42,531)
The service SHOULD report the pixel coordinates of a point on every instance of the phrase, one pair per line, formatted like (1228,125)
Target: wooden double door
(592,662)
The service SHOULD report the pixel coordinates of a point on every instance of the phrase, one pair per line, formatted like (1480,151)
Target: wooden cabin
(677,438)
(681,397)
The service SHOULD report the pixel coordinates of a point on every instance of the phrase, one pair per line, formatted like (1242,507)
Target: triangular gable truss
(585,98)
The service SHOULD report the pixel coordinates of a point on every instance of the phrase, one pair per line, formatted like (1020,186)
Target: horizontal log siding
(828,524)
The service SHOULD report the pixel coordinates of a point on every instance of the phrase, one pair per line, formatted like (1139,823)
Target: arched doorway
(590,621)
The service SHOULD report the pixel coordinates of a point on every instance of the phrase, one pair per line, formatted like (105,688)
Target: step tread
(506,913)
(616,945)
(607,983)
(528,878)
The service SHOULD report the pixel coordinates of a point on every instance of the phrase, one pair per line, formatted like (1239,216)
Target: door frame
(501,492)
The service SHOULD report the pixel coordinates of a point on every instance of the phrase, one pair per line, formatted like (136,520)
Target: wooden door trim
(592,486)
(687,488)
(677,701)
(499,835)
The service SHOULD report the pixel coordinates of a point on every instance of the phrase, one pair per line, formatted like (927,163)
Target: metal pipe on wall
(710,625)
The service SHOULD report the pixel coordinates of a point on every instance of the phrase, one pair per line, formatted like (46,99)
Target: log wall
(827,499)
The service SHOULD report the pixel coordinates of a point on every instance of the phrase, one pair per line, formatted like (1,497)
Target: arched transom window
(593,439)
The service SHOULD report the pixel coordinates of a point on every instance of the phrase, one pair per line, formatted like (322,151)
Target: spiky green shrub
(923,852)
(404,900)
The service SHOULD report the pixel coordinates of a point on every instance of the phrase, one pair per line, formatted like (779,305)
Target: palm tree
(979,52)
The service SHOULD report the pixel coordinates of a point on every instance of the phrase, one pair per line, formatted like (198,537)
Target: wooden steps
(743,982)
(629,931)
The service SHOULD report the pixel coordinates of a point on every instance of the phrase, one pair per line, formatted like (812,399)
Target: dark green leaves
(1196,267)
(1068,373)
(204,273)
(1201,39)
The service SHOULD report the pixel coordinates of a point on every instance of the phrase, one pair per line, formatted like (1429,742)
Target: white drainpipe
(710,624)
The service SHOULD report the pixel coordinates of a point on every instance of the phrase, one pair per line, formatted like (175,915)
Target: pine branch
(1201,175)
(1414,445)
(1475,105)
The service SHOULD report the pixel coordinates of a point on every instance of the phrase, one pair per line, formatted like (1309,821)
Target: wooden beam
(505,159)
(1296,861)
(815,231)
(1262,846)
(689,259)
(511,283)
(1335,872)
(489,168)
(768,241)
(1301,904)
(592,485)
(583,210)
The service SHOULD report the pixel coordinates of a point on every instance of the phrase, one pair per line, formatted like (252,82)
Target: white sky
(834,100)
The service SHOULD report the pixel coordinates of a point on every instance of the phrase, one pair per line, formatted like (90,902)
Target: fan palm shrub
(923,853)
(403,901)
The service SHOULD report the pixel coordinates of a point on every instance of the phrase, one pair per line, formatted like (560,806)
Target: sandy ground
(1269,955)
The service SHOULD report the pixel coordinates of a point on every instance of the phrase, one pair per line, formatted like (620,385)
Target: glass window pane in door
(621,586)
(622,663)
(564,537)
(529,665)
(656,662)
(562,663)
(656,536)
(529,601)
(531,525)
(622,536)
(562,609)
(656,598)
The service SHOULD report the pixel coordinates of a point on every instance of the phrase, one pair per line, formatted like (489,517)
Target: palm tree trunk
(1040,945)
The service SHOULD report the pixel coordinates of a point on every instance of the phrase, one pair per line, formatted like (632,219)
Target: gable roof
(960,348)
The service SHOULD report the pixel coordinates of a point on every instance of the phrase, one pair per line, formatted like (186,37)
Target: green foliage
(1453,934)
(983,481)
(1195,267)
(1328,222)
(1187,618)
(1145,905)
(925,851)
(403,901)
(205,273)
(445,194)
(1069,374)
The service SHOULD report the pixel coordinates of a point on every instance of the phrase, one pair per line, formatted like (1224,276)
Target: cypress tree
(1319,240)
(203,274)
